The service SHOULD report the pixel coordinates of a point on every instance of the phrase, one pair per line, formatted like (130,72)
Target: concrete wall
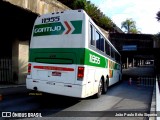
(15,61)
(105,32)
(40,6)
(20,48)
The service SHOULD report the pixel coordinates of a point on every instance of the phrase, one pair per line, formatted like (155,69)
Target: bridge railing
(158,97)
(5,70)
(146,81)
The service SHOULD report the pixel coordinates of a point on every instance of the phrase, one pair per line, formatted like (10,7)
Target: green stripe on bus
(81,56)
(77,26)
(93,59)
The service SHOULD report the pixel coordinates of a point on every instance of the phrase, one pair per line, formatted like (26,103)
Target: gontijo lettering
(47,29)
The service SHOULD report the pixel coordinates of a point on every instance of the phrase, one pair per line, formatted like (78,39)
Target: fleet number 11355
(94,59)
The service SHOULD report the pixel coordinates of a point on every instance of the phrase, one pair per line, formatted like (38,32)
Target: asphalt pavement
(120,98)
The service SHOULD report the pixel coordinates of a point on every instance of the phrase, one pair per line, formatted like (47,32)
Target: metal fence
(5,70)
(146,81)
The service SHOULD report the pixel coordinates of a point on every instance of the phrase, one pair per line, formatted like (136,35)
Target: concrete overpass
(17,19)
(137,48)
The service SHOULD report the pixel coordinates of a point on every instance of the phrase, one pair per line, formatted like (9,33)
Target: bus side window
(97,38)
(118,57)
(102,44)
(107,48)
(112,53)
(92,41)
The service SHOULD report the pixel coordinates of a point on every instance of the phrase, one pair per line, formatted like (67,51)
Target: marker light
(80,73)
(29,68)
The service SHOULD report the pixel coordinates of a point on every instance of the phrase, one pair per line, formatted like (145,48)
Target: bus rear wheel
(105,87)
(100,89)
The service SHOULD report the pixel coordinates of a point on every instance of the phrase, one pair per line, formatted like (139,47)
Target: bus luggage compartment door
(55,73)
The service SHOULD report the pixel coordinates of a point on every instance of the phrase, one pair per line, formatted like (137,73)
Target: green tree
(80,4)
(135,31)
(98,17)
(156,39)
(92,11)
(129,25)
(157,36)
(158,15)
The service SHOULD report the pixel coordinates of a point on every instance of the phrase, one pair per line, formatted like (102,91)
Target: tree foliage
(158,15)
(157,36)
(80,4)
(130,26)
(98,17)
(68,3)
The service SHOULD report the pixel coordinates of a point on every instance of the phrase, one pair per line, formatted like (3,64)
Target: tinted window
(117,57)
(92,41)
(102,44)
(107,48)
(112,53)
(97,38)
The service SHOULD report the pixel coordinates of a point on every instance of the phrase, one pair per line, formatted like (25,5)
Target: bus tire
(105,87)
(100,89)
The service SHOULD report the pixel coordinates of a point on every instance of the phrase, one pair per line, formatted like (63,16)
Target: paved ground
(119,99)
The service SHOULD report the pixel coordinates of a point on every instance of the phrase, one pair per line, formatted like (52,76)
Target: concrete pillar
(142,62)
(139,62)
(127,63)
(20,51)
(15,49)
(133,63)
(23,61)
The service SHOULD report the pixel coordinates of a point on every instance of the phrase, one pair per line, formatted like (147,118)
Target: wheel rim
(100,87)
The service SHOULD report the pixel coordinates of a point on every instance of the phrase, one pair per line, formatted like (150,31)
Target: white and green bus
(69,55)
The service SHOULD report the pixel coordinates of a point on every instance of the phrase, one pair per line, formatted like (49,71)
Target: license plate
(56,73)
